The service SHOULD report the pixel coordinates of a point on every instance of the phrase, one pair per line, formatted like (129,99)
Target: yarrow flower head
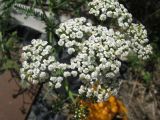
(99,53)
(39,65)
(96,52)
(104,9)
(139,40)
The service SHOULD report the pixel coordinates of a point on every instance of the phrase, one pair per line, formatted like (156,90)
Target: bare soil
(14,105)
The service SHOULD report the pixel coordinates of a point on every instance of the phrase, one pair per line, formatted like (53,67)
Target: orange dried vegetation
(106,110)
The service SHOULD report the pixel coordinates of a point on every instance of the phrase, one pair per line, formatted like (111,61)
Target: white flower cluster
(104,9)
(96,51)
(72,33)
(101,93)
(139,40)
(39,65)
(96,59)
(99,51)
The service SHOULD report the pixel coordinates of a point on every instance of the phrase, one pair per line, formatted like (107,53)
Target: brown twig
(132,93)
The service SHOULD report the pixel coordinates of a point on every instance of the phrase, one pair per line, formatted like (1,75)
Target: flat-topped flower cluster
(39,64)
(97,52)
(104,9)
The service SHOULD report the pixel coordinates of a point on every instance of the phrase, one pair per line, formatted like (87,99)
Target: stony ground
(142,101)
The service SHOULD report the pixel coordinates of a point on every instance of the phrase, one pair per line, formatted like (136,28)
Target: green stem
(44,13)
(61,4)
(70,94)
(48,23)
(50,37)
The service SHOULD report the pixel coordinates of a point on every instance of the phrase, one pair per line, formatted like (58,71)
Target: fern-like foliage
(21,6)
(29,11)
(7,5)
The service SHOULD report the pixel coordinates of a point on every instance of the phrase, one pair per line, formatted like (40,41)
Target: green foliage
(146,76)
(8,39)
(138,68)
(9,65)
(8,55)
(57,105)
